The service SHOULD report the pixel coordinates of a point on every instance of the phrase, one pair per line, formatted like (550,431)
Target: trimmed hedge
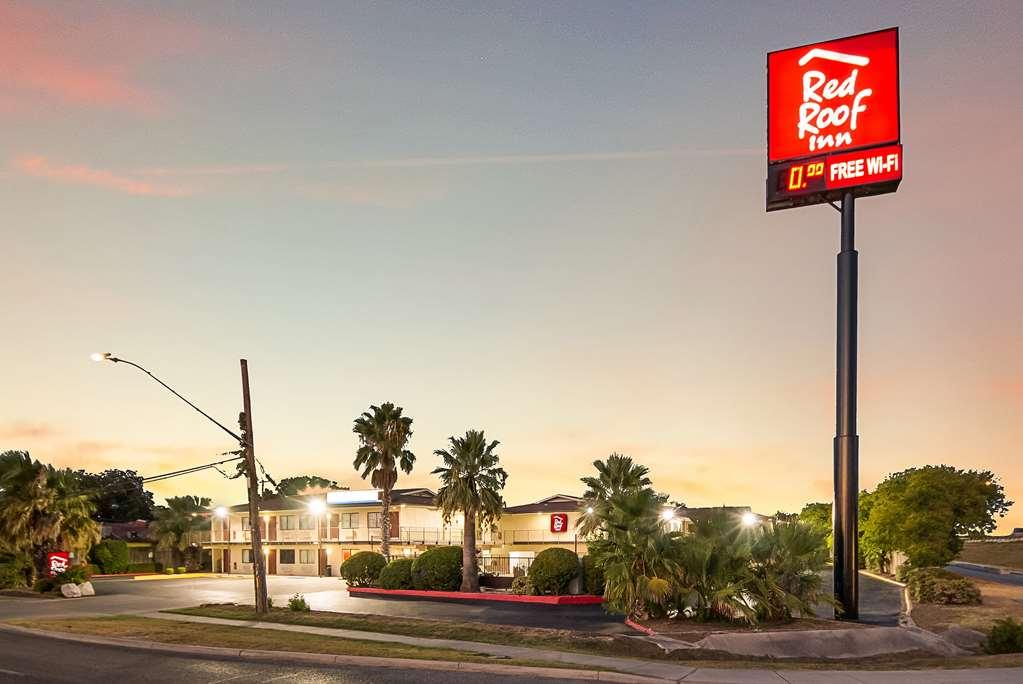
(363,568)
(936,585)
(593,575)
(143,567)
(180,570)
(111,556)
(438,569)
(552,570)
(397,574)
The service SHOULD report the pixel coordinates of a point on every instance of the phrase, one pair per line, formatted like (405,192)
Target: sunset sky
(545,220)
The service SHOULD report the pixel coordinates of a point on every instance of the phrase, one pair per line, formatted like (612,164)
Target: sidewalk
(644,668)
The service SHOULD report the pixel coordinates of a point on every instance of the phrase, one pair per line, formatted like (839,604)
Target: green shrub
(522,586)
(902,572)
(180,570)
(1006,636)
(593,575)
(14,571)
(142,567)
(44,585)
(297,604)
(363,568)
(936,585)
(169,571)
(397,574)
(438,569)
(111,556)
(552,570)
(94,569)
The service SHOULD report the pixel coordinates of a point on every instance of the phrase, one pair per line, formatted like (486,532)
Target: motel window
(306,522)
(306,556)
(287,556)
(373,521)
(287,522)
(246,555)
(245,523)
(349,521)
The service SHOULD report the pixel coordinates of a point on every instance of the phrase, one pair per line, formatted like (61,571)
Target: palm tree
(472,482)
(618,475)
(43,509)
(174,522)
(383,435)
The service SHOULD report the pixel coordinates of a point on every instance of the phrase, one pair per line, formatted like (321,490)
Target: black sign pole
(846,440)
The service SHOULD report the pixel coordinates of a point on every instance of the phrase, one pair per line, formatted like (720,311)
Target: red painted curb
(580,600)
(639,628)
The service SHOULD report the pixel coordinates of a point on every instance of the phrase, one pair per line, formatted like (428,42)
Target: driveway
(880,601)
(987,573)
(123,596)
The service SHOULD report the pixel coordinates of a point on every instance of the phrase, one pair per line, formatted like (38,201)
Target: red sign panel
(58,562)
(838,95)
(833,120)
(559,522)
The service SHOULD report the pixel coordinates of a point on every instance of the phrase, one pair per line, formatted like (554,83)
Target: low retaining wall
(579,600)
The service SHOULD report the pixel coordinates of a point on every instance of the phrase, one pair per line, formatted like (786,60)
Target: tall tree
(471,483)
(617,475)
(383,437)
(119,495)
(290,486)
(43,509)
(926,511)
(175,522)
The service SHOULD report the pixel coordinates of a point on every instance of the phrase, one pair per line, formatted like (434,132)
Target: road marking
(283,676)
(11,672)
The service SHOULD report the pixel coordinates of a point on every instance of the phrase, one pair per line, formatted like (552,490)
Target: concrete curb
(329,659)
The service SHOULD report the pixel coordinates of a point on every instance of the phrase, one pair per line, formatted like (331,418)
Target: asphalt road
(977,573)
(38,659)
(124,596)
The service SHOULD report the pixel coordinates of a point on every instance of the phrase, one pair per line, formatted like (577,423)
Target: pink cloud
(41,167)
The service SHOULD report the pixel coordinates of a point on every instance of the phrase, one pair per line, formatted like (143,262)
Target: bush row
(937,585)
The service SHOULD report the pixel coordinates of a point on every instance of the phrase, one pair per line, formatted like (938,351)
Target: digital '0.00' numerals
(800,174)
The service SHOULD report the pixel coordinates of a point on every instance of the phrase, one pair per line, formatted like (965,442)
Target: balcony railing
(504,566)
(541,537)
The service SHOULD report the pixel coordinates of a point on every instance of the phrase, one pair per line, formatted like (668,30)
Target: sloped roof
(559,503)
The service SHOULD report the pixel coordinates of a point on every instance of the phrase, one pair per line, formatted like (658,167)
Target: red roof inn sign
(833,120)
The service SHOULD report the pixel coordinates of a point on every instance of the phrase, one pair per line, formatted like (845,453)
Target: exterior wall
(517,539)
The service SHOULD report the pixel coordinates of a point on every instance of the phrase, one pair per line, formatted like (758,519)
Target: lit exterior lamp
(668,514)
(749,519)
(220,512)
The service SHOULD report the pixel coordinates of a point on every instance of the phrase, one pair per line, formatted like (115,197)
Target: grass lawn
(1007,554)
(166,631)
(605,645)
(999,601)
(556,639)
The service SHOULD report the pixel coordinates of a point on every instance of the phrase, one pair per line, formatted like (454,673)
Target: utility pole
(847,442)
(258,560)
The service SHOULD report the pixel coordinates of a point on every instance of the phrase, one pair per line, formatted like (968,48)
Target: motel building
(312,535)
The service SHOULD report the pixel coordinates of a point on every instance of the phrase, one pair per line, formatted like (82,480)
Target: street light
(248,454)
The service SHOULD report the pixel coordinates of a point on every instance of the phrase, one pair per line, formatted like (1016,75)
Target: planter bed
(579,600)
